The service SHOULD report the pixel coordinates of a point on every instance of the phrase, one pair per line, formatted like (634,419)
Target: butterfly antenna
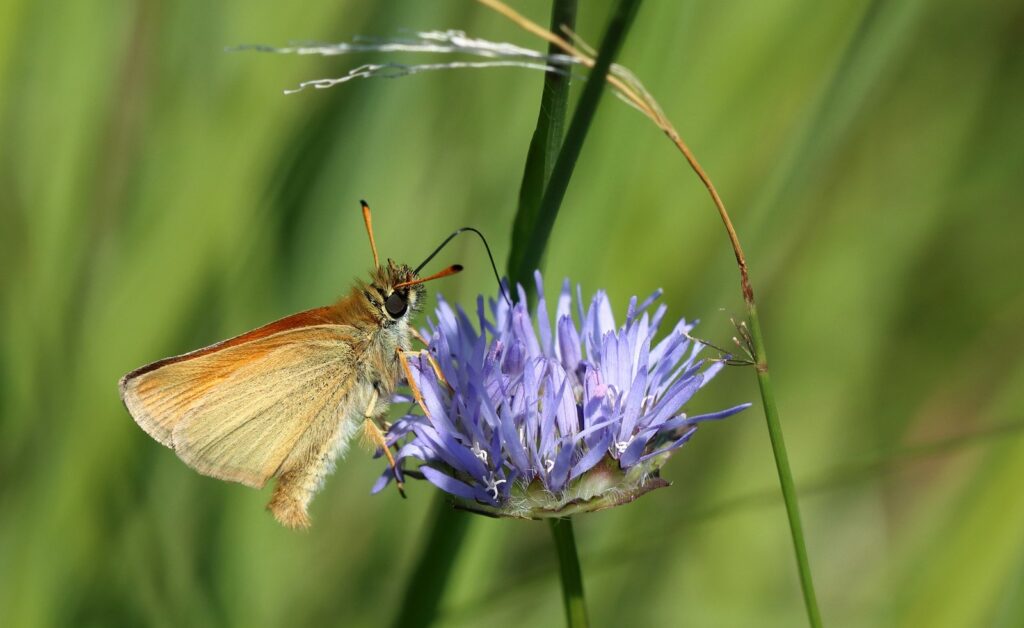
(451,270)
(494,267)
(369,231)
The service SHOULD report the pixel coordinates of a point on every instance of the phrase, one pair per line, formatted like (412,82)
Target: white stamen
(492,486)
(479,453)
(646,403)
(621,446)
(549,465)
(612,395)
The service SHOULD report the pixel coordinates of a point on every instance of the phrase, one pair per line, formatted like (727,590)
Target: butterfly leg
(433,363)
(376,437)
(418,336)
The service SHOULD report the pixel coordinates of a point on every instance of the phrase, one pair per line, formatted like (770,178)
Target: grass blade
(545,145)
(525,260)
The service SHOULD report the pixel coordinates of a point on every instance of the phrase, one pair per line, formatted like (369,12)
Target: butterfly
(285,400)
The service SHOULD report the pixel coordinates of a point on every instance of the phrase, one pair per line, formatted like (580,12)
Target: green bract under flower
(552,422)
(603,486)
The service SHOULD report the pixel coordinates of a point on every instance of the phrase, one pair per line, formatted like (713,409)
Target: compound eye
(395,305)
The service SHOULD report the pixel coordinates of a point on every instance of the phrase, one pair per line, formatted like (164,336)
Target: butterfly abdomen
(303,474)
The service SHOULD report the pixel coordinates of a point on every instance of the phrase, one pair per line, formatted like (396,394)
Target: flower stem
(572,577)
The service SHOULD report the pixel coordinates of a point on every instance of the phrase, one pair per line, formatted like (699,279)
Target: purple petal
(664,354)
(510,440)
(631,310)
(543,322)
(659,314)
(642,344)
(649,300)
(457,488)
(564,302)
(569,349)
(515,356)
(481,316)
(446,321)
(442,437)
(550,420)
(466,331)
(568,413)
(594,391)
(430,392)
(631,455)
(605,318)
(522,296)
(523,329)
(560,471)
(700,418)
(592,457)
(624,354)
(559,475)
(678,443)
(633,401)
(674,399)
(579,306)
(382,481)
(414,449)
(712,370)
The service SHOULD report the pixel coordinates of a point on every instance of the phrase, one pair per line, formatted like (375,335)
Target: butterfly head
(394,292)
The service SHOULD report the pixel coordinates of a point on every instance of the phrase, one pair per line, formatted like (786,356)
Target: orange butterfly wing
(240,409)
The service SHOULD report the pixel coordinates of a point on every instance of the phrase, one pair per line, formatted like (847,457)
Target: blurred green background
(159,194)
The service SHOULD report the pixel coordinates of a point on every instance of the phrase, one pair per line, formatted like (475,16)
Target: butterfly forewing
(245,409)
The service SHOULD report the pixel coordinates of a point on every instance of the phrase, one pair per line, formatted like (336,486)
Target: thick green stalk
(572,577)
(771,415)
(533,249)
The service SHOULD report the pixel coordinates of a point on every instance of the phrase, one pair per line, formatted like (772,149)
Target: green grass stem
(789,496)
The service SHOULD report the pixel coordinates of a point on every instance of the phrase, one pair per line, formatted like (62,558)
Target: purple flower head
(525,419)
